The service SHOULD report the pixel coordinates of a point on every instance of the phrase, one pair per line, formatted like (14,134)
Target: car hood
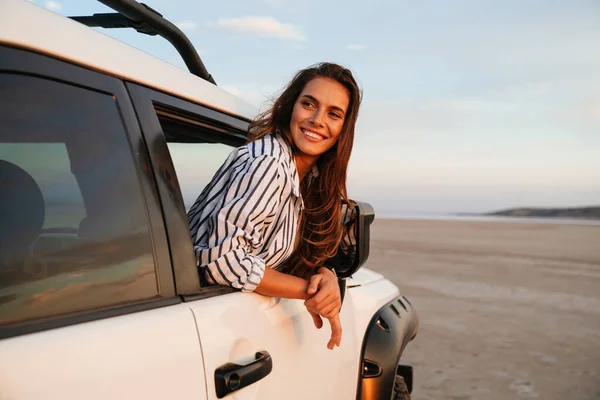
(362,277)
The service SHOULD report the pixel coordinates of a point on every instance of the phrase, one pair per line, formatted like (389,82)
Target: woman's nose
(317,117)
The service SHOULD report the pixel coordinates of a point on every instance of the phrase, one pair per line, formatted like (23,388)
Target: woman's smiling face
(318,116)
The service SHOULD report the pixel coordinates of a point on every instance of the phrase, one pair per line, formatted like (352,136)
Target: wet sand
(507,310)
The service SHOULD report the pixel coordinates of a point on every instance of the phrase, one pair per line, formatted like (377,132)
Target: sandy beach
(507,310)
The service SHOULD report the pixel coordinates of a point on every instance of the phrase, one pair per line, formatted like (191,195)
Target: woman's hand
(325,303)
(325,291)
(336,329)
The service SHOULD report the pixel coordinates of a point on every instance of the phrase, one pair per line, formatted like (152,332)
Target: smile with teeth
(312,135)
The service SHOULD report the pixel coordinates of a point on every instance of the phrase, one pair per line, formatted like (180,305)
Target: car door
(243,329)
(254,347)
(88,308)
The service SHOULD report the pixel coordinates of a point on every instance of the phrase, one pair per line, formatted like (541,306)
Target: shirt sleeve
(251,198)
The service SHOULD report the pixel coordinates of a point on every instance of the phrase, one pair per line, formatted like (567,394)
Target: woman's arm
(231,224)
(322,295)
(279,284)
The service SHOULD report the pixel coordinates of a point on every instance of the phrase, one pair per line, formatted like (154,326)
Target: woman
(270,217)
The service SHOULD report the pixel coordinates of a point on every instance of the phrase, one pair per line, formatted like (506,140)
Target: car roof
(29,26)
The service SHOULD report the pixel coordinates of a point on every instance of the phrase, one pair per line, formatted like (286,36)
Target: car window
(48,164)
(195,165)
(74,234)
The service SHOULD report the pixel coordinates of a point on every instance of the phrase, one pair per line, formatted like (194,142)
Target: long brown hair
(322,222)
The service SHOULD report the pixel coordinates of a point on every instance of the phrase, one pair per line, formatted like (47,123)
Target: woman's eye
(307,104)
(335,116)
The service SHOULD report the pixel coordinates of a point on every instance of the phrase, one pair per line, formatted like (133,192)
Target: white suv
(100,296)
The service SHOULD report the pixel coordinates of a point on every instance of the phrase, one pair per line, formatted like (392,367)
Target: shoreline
(487,218)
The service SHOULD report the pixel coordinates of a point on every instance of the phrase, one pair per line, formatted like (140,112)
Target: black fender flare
(389,331)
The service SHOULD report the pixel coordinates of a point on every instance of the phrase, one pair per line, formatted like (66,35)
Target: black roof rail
(142,18)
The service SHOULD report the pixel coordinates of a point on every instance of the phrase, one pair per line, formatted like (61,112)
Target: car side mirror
(353,250)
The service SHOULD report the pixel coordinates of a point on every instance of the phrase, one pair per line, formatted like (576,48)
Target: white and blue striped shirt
(246,218)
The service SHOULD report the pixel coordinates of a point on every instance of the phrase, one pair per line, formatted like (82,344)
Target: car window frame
(27,62)
(226,129)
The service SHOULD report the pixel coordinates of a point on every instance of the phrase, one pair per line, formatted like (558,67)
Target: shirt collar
(293,173)
(312,174)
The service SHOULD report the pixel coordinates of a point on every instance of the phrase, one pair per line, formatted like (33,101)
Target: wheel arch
(392,327)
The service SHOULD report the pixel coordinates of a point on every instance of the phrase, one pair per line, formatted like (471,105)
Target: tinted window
(74,234)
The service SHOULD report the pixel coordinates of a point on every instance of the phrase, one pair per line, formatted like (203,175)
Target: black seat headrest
(22,212)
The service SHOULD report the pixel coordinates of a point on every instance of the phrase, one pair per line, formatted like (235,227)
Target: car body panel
(366,300)
(364,276)
(235,326)
(153,354)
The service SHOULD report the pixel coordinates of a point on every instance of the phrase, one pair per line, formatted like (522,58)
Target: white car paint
(49,33)
(148,355)
(364,276)
(368,299)
(234,327)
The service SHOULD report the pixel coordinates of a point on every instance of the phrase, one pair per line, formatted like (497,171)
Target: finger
(331,310)
(335,340)
(316,319)
(323,294)
(327,306)
(336,332)
(313,285)
(325,290)
(313,313)
(321,299)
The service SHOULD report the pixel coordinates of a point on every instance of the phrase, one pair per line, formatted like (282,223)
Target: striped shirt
(246,218)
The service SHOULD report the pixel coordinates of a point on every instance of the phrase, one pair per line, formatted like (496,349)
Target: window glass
(74,234)
(195,165)
(48,165)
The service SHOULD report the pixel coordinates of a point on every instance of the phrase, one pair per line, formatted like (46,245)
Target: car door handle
(231,377)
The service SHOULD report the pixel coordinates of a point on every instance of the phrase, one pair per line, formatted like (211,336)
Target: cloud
(261,26)
(186,25)
(355,47)
(53,5)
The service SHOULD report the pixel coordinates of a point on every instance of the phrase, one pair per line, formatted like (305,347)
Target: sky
(468,106)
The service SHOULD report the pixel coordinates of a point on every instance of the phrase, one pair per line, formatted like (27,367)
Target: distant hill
(575,212)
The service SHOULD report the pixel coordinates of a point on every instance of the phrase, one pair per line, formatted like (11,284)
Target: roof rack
(142,18)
